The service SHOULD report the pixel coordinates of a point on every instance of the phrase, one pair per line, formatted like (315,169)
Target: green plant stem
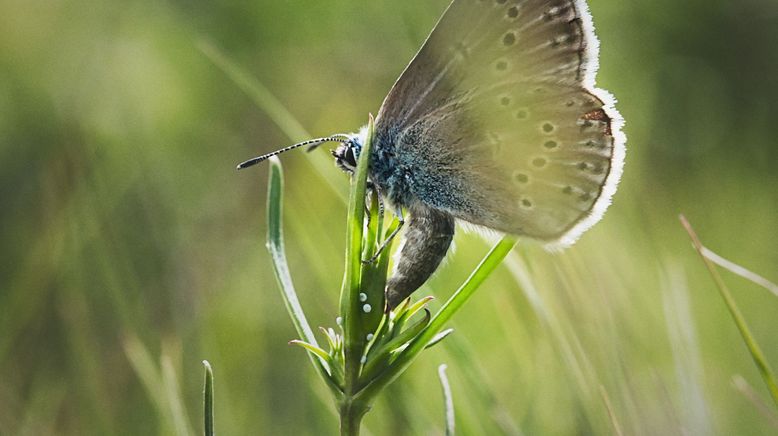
(351,414)
(753,347)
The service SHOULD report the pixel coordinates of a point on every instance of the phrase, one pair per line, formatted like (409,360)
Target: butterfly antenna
(311,143)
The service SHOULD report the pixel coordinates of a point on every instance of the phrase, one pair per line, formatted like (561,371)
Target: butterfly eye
(351,158)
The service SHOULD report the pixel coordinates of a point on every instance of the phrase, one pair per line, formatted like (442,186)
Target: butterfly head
(347,153)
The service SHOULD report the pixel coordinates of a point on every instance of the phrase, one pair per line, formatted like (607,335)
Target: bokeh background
(130,249)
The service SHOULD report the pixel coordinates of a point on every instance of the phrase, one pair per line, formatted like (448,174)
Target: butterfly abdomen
(427,237)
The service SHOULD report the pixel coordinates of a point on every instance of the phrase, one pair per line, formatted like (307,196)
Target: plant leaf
(275,244)
(439,337)
(448,400)
(313,349)
(350,306)
(208,400)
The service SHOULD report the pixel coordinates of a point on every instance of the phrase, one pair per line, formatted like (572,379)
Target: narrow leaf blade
(208,400)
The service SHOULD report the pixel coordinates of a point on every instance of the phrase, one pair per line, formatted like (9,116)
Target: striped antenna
(311,143)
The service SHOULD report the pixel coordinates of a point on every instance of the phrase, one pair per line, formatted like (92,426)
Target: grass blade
(161,386)
(175,402)
(748,392)
(208,400)
(753,347)
(611,413)
(448,400)
(275,244)
(739,270)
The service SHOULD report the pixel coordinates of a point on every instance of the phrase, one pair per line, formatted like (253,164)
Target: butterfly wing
(499,121)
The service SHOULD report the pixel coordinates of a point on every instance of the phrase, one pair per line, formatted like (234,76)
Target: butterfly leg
(372,189)
(398,212)
(380,199)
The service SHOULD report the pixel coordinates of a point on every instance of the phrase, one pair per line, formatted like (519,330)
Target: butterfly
(495,122)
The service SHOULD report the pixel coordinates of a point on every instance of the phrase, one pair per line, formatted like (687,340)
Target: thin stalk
(208,400)
(351,415)
(448,400)
(753,347)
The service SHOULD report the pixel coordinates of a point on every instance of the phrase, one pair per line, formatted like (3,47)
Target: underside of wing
(500,124)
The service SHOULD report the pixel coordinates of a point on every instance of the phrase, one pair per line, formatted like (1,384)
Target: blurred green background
(131,250)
